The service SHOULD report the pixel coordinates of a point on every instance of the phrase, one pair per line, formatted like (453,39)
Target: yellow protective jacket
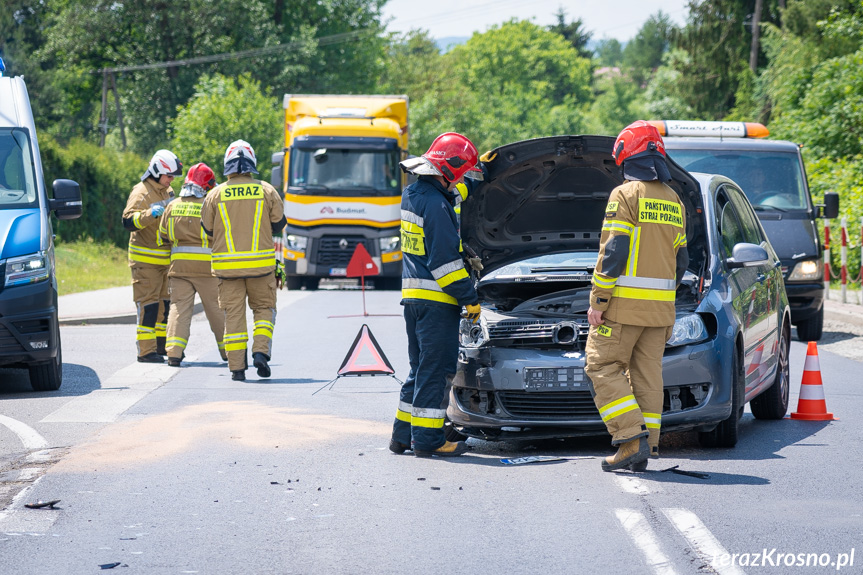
(145,249)
(180,228)
(242,215)
(642,255)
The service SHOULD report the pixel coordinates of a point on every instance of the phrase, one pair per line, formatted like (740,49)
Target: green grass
(87,266)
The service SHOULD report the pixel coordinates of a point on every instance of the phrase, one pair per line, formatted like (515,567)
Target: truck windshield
(344,172)
(771,180)
(17,175)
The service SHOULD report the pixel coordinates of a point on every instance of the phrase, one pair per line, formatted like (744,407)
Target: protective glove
(475,263)
(487,157)
(281,277)
(472,311)
(156,210)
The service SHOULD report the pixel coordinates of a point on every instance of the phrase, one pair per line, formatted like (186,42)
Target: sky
(620,19)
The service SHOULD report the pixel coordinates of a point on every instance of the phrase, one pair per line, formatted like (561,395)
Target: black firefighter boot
(240,374)
(629,454)
(161,341)
(260,361)
(148,319)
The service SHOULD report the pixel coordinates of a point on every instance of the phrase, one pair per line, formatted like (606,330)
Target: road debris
(435,488)
(42,504)
(532,459)
(111,565)
(687,473)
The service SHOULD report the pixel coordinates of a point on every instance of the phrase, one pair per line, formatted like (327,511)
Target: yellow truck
(340,175)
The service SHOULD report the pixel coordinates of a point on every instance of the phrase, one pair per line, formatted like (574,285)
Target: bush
(106,177)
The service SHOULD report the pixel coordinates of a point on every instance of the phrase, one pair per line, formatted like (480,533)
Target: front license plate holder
(339,272)
(555,379)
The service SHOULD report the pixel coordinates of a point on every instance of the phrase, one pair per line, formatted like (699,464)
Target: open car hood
(548,195)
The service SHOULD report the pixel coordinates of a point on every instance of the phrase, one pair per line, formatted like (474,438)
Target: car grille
(330,253)
(534,330)
(574,405)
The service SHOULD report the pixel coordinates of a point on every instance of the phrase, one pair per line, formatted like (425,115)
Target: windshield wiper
(766,208)
(312,187)
(560,269)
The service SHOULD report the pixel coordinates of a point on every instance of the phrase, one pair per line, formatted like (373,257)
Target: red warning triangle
(365,356)
(361,263)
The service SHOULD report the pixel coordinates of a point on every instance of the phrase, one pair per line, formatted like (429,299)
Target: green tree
(643,54)
(223,110)
(573,31)
(609,52)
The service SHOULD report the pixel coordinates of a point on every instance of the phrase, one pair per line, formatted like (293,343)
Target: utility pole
(756,33)
(103,116)
(119,111)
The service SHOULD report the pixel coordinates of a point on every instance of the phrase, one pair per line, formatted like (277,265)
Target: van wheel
(47,376)
(812,328)
(725,434)
(773,402)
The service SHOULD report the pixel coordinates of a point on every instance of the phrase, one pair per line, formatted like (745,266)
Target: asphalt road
(167,470)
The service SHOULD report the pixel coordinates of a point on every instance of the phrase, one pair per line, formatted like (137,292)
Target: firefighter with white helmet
(148,258)
(242,215)
(435,287)
(191,271)
(642,258)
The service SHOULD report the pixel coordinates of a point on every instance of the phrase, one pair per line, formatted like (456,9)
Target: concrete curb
(124,319)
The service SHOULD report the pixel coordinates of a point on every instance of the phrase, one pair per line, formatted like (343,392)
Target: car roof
(678,143)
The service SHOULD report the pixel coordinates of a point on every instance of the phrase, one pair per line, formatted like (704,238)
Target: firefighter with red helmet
(190,271)
(148,258)
(642,258)
(242,215)
(435,288)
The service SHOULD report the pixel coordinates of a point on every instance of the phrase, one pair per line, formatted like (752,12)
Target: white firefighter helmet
(163,162)
(240,158)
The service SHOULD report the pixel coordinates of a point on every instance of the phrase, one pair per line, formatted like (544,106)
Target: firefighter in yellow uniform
(190,270)
(642,258)
(148,258)
(242,215)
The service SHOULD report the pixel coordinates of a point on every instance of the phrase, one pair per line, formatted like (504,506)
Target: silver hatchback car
(536,225)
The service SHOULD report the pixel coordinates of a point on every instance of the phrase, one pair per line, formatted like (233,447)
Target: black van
(771,174)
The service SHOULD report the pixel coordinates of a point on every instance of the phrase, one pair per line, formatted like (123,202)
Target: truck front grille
(334,252)
(572,405)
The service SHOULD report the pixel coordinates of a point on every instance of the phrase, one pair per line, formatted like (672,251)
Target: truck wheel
(47,376)
(388,283)
(294,282)
(773,402)
(725,434)
(812,328)
(311,284)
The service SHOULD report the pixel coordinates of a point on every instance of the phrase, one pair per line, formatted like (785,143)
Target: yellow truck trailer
(342,184)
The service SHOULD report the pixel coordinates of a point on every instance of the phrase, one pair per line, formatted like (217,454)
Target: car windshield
(551,264)
(17,175)
(771,180)
(344,172)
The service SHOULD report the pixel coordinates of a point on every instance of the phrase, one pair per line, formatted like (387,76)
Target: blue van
(29,328)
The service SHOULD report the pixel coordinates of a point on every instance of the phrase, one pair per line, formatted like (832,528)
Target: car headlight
(472,334)
(808,270)
(687,329)
(27,269)
(297,243)
(389,244)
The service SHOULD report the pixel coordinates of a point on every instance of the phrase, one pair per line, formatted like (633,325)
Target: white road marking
(631,484)
(28,436)
(702,540)
(642,535)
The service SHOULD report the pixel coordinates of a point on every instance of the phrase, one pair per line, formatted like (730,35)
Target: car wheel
(451,433)
(725,434)
(773,402)
(294,282)
(47,376)
(812,328)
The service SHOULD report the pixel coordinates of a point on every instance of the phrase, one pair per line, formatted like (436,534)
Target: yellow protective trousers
(261,294)
(150,292)
(624,362)
(183,292)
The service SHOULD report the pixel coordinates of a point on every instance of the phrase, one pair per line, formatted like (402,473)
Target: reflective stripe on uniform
(264,327)
(652,420)
(634,243)
(618,407)
(618,226)
(404,412)
(648,283)
(161,329)
(427,417)
(411,217)
(643,294)
(256,231)
(226,221)
(601,282)
(449,273)
(149,255)
(136,219)
(191,253)
(144,332)
(236,341)
(176,342)
(415,288)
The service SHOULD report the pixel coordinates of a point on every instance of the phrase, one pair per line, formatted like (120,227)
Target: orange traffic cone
(812,406)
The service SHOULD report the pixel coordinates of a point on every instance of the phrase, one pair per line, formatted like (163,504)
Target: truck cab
(772,175)
(339,172)
(29,327)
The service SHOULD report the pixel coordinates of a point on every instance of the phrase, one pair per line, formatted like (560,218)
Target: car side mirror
(830,208)
(67,204)
(277,176)
(747,255)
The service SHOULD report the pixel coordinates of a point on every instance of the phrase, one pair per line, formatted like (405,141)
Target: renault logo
(343,243)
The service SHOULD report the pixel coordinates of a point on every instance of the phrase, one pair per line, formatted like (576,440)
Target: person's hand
(594,317)
(156,210)
(475,263)
(280,275)
(472,311)
(487,157)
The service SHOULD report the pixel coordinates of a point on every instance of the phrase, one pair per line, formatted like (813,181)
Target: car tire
(48,375)
(812,328)
(451,433)
(772,403)
(294,282)
(725,434)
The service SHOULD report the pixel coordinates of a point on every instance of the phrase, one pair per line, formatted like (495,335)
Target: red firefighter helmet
(199,180)
(638,138)
(451,155)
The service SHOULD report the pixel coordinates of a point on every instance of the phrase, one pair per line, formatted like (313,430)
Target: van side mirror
(67,204)
(747,255)
(277,177)
(830,208)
